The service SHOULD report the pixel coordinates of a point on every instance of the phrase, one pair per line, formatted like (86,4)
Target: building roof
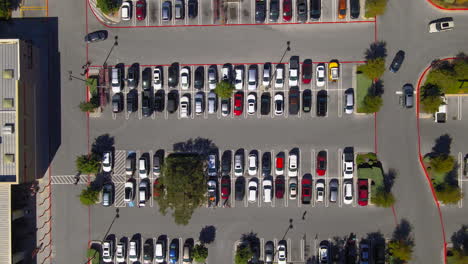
(9,69)
(5,223)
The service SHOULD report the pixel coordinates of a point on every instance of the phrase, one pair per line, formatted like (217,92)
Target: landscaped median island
(457,251)
(363,86)
(375,8)
(451,4)
(370,168)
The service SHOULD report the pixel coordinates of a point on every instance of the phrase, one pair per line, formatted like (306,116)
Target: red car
(321,163)
(287,10)
(307,71)
(225,187)
(157,188)
(141,10)
(363,190)
(306,190)
(279,164)
(279,187)
(238,104)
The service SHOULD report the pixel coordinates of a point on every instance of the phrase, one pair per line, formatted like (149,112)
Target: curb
(103,18)
(445,8)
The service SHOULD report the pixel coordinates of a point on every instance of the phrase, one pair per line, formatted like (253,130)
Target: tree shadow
(249,238)
(103,143)
(207,234)
(376,89)
(389,179)
(460,239)
(199,145)
(376,237)
(452,176)
(403,231)
(442,145)
(376,50)
(442,65)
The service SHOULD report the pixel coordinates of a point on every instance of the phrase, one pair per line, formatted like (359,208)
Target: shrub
(89,196)
(375,7)
(374,68)
(5,9)
(371,104)
(448,194)
(200,253)
(108,6)
(383,198)
(243,255)
(92,82)
(401,250)
(224,89)
(442,164)
(88,164)
(458,257)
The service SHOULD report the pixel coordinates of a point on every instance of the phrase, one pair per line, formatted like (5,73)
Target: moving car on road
(96,36)
(442,24)
(397,61)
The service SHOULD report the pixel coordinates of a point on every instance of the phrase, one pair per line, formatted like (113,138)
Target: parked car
(306,187)
(320,75)
(159,101)
(266,164)
(265,104)
(239,77)
(192,8)
(148,251)
(184,106)
(226,73)
(253,188)
(354,9)
(212,76)
(267,185)
(307,71)
(320,190)
(107,194)
(364,252)
(287,10)
(333,192)
(279,80)
(199,103)
(157,78)
(225,187)
(279,164)
(441,115)
(348,164)
(279,103)
(146,79)
(282,253)
(269,252)
(212,102)
(342,9)
(302,11)
(160,251)
(260,11)
(253,164)
(185,78)
(166,11)
(121,252)
(349,101)
(157,162)
(130,164)
(179,9)
(129,191)
(172,102)
(143,168)
(252,77)
(274,10)
(239,189)
(143,193)
(146,103)
(324,252)
(132,101)
(238,103)
(158,188)
(321,163)
(117,103)
(322,99)
(441,24)
(133,250)
(293,71)
(116,79)
(397,61)
(363,192)
(348,191)
(212,191)
(333,70)
(315,9)
(238,164)
(251,103)
(187,253)
(141,10)
(212,165)
(126,10)
(96,36)
(107,251)
(132,77)
(306,100)
(293,165)
(379,253)
(293,188)
(225,107)
(266,74)
(279,187)
(173,75)
(199,82)
(294,100)
(174,252)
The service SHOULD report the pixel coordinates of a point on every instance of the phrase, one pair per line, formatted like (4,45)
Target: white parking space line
(327,181)
(459,107)
(302,249)
(340,93)
(262,243)
(252,12)
(460,173)
(334,10)
(288,250)
(134,13)
(275,246)
(340,178)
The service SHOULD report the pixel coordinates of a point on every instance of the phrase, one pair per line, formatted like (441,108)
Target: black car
(226,162)
(266,164)
(397,61)
(159,101)
(96,36)
(322,103)
(192,8)
(172,102)
(306,100)
(354,8)
(260,10)
(274,10)
(148,251)
(132,101)
(315,9)
(132,77)
(294,100)
(173,75)
(239,189)
(146,79)
(117,103)
(379,253)
(265,104)
(199,77)
(146,103)
(302,11)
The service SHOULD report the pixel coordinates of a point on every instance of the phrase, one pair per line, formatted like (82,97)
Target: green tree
(400,249)
(92,82)
(224,89)
(243,254)
(108,6)
(445,78)
(383,198)
(375,7)
(443,163)
(430,104)
(89,196)
(374,68)
(185,186)
(200,253)
(458,257)
(88,164)
(448,193)
(371,104)
(5,9)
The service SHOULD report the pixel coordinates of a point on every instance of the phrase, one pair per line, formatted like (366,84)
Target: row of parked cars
(126,10)
(149,252)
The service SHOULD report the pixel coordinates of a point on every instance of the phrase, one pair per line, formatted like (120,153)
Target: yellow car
(333,71)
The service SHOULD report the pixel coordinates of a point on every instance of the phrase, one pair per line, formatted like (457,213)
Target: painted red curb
(444,8)
(421,162)
(228,25)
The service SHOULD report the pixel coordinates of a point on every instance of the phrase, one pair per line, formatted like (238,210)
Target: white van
(126,10)
(159,252)
(116,81)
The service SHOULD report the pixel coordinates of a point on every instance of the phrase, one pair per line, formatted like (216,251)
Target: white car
(212,77)
(292,170)
(129,191)
(251,104)
(159,254)
(143,193)
(238,165)
(441,115)
(282,254)
(226,73)
(199,101)
(157,78)
(443,24)
(184,107)
(267,190)
(348,192)
(293,188)
(348,165)
(107,161)
(279,82)
(293,77)
(126,10)
(266,74)
(225,108)
(120,252)
(132,251)
(142,168)
(320,75)
(239,80)
(212,102)
(107,251)
(279,104)
(320,190)
(185,78)
(253,188)
(252,164)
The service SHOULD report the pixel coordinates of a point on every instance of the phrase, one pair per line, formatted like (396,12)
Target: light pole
(71,77)
(116,43)
(288,48)
(105,235)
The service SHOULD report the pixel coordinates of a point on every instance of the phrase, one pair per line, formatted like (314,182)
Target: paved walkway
(44,221)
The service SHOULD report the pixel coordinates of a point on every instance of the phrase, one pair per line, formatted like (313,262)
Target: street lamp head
(117,213)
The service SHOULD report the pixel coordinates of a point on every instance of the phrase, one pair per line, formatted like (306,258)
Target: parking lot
(213,12)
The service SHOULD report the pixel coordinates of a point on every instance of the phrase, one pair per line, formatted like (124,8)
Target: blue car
(174,252)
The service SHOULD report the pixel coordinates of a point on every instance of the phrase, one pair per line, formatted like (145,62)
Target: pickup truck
(293,71)
(441,115)
(333,71)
